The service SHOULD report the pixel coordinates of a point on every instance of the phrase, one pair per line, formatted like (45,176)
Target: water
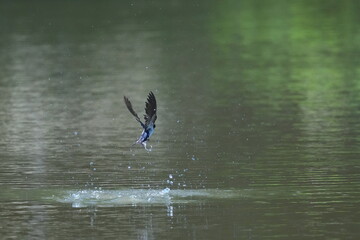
(257,134)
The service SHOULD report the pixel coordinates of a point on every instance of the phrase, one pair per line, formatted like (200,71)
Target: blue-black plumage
(149,116)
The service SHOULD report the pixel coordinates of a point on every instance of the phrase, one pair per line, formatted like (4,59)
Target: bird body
(150,118)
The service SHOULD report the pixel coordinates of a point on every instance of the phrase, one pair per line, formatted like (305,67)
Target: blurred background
(257,134)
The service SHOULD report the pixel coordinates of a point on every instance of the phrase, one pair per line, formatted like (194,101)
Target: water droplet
(170,211)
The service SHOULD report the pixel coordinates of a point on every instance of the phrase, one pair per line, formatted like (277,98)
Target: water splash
(133,197)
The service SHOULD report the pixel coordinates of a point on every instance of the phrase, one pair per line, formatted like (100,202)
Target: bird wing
(150,109)
(131,110)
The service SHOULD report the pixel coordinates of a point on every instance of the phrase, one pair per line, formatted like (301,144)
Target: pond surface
(258,130)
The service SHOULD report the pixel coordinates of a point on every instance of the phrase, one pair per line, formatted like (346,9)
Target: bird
(149,116)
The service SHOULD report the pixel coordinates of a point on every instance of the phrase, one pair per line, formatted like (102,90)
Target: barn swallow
(149,116)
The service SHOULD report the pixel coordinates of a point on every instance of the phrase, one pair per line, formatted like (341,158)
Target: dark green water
(258,130)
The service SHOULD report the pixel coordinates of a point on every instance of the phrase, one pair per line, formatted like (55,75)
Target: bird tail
(136,142)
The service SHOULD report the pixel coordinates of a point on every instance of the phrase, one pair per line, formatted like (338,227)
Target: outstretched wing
(129,106)
(150,109)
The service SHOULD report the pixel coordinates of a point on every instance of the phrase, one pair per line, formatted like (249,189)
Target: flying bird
(149,116)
